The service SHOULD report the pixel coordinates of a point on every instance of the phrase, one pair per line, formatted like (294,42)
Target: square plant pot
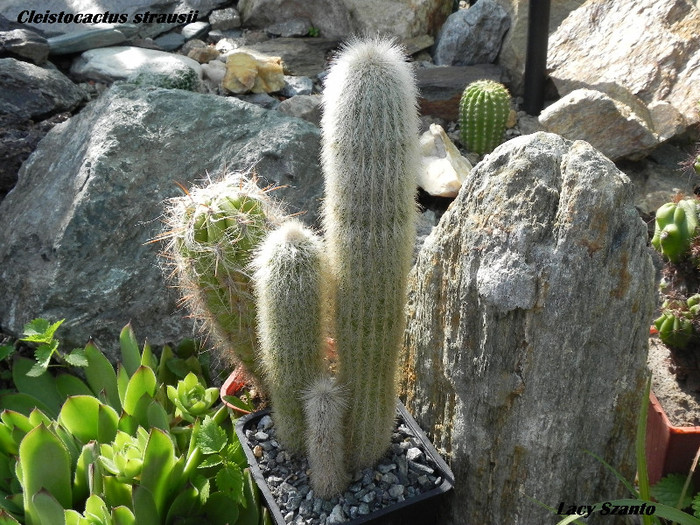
(669,449)
(406,511)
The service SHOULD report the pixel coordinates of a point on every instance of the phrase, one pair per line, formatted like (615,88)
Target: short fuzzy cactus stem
(675,226)
(483,113)
(370,157)
(213,232)
(324,408)
(288,284)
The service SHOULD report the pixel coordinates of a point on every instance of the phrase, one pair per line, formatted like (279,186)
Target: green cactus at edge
(675,226)
(483,113)
(675,325)
(213,232)
(370,156)
(288,280)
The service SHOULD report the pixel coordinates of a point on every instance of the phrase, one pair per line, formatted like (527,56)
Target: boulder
(472,36)
(441,87)
(25,45)
(28,91)
(332,19)
(300,56)
(609,125)
(78,41)
(307,107)
(120,62)
(225,19)
(595,48)
(75,233)
(400,18)
(528,320)
(514,46)
(444,169)
(247,73)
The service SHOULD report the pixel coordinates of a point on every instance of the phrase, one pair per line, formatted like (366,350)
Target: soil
(676,384)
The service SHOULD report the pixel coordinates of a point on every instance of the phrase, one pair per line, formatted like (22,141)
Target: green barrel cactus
(483,113)
(288,284)
(370,156)
(213,232)
(675,325)
(675,226)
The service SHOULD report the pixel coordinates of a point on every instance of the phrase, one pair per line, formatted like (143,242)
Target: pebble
(195,29)
(395,479)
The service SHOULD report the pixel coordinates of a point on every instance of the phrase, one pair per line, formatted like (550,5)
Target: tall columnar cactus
(324,408)
(370,157)
(483,113)
(288,283)
(675,226)
(213,232)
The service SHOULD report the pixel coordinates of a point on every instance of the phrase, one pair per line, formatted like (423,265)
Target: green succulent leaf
(47,509)
(45,465)
(142,383)
(6,518)
(42,387)
(186,504)
(158,461)
(220,509)
(6,351)
(22,403)
(101,376)
(86,467)
(70,385)
(131,356)
(145,509)
(88,419)
(122,515)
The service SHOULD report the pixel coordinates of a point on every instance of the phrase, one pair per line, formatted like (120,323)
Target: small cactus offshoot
(213,232)
(675,325)
(483,113)
(675,226)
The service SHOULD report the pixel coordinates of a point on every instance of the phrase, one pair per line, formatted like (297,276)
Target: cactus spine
(324,407)
(674,228)
(370,157)
(213,231)
(288,279)
(483,113)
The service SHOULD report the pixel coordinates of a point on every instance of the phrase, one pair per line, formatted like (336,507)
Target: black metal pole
(536,58)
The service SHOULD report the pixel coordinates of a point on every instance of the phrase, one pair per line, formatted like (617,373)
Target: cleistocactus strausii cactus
(483,113)
(370,154)
(675,226)
(288,280)
(213,232)
(324,407)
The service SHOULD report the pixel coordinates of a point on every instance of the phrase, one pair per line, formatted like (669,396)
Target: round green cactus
(675,226)
(483,113)
(214,231)
(675,324)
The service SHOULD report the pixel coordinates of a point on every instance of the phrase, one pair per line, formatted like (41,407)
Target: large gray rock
(25,45)
(91,38)
(400,18)
(75,230)
(472,36)
(28,91)
(528,319)
(332,19)
(596,48)
(610,125)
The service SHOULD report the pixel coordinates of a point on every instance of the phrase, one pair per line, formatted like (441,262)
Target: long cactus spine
(370,157)
(288,283)
(483,113)
(213,232)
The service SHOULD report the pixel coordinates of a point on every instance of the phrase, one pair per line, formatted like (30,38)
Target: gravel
(404,472)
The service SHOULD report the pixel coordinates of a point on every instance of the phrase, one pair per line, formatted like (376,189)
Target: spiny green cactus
(675,226)
(213,232)
(483,113)
(675,325)
(288,280)
(324,407)
(370,157)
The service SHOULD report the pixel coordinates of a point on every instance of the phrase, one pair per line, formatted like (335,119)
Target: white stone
(444,168)
(120,62)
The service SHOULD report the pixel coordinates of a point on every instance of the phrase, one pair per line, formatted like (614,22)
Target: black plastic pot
(398,509)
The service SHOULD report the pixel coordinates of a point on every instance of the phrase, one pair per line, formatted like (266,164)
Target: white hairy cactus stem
(288,284)
(370,156)
(324,408)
